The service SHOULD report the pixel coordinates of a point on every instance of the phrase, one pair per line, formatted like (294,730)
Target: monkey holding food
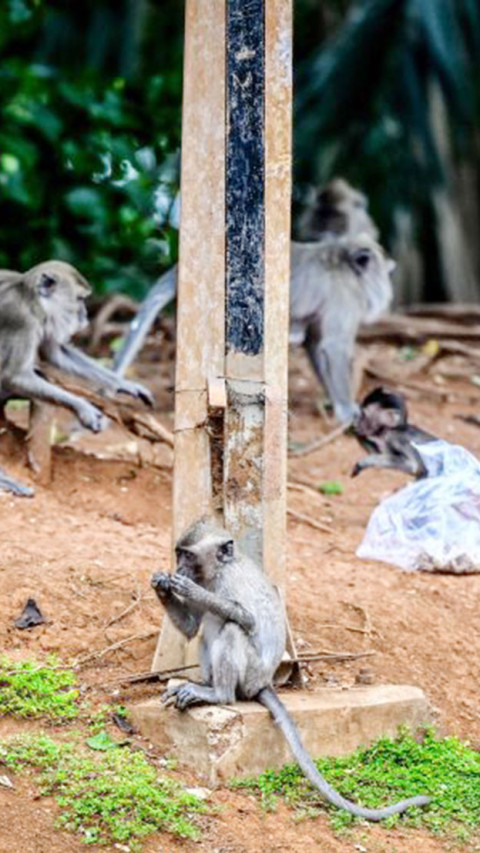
(222,593)
(381,426)
(40,310)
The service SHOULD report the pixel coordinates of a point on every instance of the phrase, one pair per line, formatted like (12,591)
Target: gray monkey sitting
(225,594)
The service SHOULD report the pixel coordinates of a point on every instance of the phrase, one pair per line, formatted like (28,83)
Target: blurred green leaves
(364,100)
(88,158)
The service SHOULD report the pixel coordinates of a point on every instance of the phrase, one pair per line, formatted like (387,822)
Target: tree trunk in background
(409,275)
(454,247)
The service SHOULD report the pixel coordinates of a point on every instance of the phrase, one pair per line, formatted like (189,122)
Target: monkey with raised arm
(220,592)
(382,428)
(336,210)
(334,287)
(40,310)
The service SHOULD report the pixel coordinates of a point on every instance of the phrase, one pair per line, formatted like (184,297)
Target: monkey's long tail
(270,700)
(162,292)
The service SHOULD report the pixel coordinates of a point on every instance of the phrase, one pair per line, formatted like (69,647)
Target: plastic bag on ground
(432,524)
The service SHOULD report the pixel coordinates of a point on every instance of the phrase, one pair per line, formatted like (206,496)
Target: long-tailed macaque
(220,592)
(381,426)
(336,210)
(40,310)
(335,286)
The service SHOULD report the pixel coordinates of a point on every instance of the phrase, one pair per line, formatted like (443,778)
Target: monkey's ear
(225,552)
(361,259)
(47,284)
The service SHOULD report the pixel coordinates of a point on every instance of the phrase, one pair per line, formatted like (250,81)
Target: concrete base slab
(222,741)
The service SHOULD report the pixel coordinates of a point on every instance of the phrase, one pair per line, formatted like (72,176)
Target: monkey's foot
(357,469)
(139,392)
(184,695)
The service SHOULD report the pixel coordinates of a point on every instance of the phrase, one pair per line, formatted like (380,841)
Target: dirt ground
(85,549)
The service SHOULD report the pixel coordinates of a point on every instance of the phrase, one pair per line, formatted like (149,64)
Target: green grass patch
(446,769)
(111,796)
(32,689)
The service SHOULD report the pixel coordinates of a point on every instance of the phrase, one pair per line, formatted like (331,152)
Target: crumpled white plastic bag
(434,523)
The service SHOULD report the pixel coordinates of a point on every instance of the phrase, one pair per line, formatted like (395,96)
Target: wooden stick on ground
(320,442)
(307,519)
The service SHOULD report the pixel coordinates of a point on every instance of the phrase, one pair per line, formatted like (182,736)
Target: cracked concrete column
(232,305)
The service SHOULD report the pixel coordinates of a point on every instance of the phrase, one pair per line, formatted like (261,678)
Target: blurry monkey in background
(336,286)
(337,209)
(40,310)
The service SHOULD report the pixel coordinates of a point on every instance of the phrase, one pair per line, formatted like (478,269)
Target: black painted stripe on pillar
(245,176)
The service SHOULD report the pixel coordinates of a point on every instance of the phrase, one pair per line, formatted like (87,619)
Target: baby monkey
(382,428)
(220,592)
(40,310)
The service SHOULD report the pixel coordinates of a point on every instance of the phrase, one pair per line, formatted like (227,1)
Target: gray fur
(40,311)
(223,594)
(335,285)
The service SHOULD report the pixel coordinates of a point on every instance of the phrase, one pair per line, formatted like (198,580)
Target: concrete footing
(222,741)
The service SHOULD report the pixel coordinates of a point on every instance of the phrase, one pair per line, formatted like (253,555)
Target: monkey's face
(202,561)
(380,412)
(62,292)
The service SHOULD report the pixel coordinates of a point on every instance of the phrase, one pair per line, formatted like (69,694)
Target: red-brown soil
(85,549)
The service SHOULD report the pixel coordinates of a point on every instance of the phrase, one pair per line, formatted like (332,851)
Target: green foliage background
(89,137)
(90,95)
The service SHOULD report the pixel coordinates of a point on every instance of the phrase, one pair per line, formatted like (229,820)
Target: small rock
(201,793)
(364,676)
(5,782)
(30,616)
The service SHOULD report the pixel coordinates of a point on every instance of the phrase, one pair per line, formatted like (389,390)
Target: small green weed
(330,487)
(446,769)
(110,796)
(31,689)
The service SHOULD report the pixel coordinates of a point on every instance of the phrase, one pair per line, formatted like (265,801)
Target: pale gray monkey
(220,592)
(335,286)
(336,209)
(40,310)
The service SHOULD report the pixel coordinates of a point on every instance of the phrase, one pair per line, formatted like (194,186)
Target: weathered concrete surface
(220,742)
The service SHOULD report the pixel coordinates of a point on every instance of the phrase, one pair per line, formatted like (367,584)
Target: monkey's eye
(186,561)
(361,259)
(47,284)
(225,552)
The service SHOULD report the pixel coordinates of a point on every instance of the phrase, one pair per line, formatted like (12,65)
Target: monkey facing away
(334,287)
(337,209)
(221,592)
(40,311)
(382,428)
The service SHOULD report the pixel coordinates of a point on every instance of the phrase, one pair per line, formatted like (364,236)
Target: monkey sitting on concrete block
(224,594)
(382,428)
(40,311)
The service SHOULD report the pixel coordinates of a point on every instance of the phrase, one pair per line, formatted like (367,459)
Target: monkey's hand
(90,416)
(161,584)
(134,389)
(181,585)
